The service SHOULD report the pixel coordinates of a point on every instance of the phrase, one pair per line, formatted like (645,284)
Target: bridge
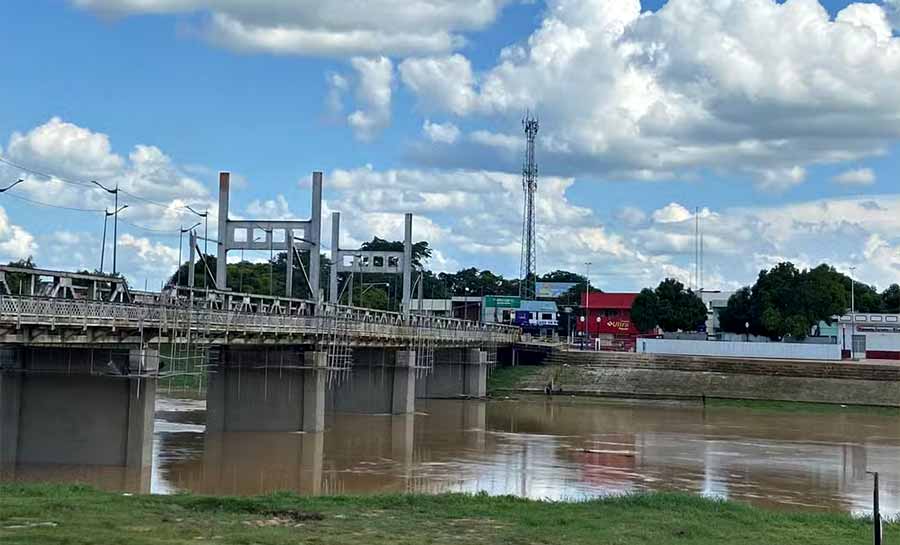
(81,354)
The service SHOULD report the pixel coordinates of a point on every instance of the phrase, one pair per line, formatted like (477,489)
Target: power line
(90,185)
(48,205)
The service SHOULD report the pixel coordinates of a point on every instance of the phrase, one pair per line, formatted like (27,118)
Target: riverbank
(628,375)
(45,514)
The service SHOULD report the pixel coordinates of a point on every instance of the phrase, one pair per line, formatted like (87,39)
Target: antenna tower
(527,285)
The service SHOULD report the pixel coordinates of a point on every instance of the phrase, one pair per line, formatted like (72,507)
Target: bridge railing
(356,322)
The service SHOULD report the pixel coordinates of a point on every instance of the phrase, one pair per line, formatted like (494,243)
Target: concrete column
(192,257)
(215,396)
(10,407)
(143,360)
(312,452)
(335,243)
(222,243)
(402,439)
(475,374)
(407,264)
(316,235)
(289,264)
(314,391)
(139,442)
(404,395)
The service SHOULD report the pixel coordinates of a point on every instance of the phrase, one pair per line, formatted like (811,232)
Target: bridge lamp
(12,185)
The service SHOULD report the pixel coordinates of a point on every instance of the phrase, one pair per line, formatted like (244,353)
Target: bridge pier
(64,410)
(380,382)
(457,372)
(262,391)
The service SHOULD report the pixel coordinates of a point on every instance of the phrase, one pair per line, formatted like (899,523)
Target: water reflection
(556,449)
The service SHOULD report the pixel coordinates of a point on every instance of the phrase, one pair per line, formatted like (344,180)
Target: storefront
(608,320)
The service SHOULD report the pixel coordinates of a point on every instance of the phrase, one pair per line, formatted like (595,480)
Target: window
(378,261)
(547,316)
(393,262)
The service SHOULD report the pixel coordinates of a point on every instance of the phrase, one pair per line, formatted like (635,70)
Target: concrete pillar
(335,243)
(221,254)
(314,391)
(475,374)
(289,264)
(139,442)
(10,407)
(407,264)
(402,439)
(404,395)
(315,236)
(143,360)
(312,453)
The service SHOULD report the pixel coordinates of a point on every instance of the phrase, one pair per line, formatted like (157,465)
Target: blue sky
(779,120)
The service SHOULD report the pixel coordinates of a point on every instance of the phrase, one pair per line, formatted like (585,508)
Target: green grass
(508,378)
(800,407)
(49,514)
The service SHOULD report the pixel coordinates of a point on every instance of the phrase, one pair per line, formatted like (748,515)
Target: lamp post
(205,216)
(115,219)
(466,305)
(12,185)
(587,300)
(181,233)
(852,312)
(106,215)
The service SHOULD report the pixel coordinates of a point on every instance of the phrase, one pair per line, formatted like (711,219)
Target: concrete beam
(314,391)
(404,395)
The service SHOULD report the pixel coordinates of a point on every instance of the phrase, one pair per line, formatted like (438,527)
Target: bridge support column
(475,373)
(404,395)
(314,391)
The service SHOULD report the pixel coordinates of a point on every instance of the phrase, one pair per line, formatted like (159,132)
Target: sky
(778,121)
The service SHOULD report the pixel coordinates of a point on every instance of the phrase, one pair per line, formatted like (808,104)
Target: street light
(587,300)
(181,233)
(106,215)
(205,216)
(466,304)
(115,219)
(852,312)
(12,185)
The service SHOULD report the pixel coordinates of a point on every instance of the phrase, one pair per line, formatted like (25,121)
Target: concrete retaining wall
(789,351)
(689,384)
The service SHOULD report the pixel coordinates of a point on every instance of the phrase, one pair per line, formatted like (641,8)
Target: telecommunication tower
(527,285)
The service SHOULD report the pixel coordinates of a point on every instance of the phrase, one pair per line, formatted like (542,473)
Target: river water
(559,448)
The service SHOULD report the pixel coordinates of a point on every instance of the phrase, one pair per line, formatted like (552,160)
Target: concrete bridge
(79,369)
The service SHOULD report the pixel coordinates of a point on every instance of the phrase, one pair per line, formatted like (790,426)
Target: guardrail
(201,317)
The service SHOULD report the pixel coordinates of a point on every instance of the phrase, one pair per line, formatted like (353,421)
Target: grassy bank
(510,378)
(43,514)
(800,407)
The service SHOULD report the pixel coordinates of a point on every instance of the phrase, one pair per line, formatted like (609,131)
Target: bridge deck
(31,320)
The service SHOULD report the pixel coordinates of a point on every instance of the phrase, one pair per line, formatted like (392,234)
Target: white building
(870,336)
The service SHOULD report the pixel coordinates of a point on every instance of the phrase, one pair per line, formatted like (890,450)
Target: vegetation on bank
(510,378)
(800,407)
(45,514)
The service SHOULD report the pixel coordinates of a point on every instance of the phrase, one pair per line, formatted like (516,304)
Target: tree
(670,306)
(645,310)
(737,314)
(890,299)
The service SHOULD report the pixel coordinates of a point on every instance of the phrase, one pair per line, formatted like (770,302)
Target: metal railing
(221,317)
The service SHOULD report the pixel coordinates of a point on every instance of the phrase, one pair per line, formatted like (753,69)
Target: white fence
(786,351)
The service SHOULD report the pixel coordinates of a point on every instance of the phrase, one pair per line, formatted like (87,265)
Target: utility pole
(852,312)
(878,533)
(106,216)
(528,270)
(115,218)
(587,301)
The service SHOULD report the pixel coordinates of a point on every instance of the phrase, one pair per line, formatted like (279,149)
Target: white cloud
(68,149)
(863,176)
(15,242)
(376,78)
(672,213)
(272,209)
(443,133)
(756,87)
(373,27)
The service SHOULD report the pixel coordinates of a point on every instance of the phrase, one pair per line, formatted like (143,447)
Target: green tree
(645,310)
(737,314)
(890,299)
(671,307)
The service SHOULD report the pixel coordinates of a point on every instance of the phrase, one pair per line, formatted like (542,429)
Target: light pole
(106,215)
(181,233)
(205,216)
(587,300)
(466,304)
(115,219)
(852,311)
(12,185)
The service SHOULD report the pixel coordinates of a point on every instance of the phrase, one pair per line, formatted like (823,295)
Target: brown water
(537,448)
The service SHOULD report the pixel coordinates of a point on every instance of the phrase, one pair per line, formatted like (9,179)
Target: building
(608,319)
(432,307)
(467,307)
(500,308)
(537,316)
(869,336)
(715,302)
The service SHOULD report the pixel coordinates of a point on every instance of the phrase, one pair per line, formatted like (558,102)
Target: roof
(609,300)
(538,306)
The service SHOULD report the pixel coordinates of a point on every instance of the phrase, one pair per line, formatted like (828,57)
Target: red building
(609,319)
